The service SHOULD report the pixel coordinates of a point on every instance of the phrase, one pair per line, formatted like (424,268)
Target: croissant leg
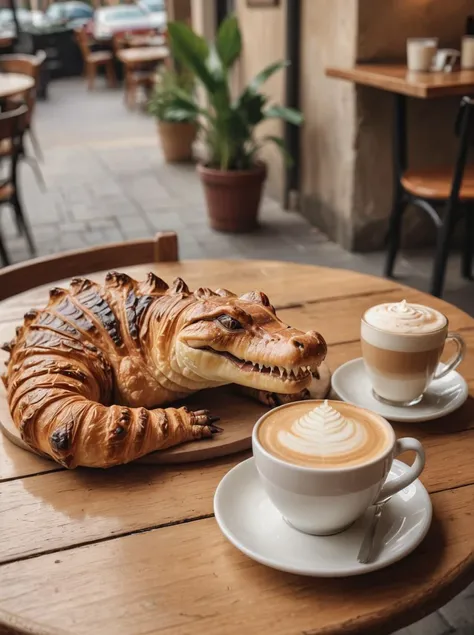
(77,431)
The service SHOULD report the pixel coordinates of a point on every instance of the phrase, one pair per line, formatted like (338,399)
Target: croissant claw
(7,346)
(31,314)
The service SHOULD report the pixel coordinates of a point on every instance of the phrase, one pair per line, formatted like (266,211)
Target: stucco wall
(263,34)
(328,36)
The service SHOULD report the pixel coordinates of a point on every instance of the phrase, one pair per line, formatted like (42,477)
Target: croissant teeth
(115,277)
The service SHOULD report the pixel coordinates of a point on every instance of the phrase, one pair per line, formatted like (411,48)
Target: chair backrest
(33,273)
(464,128)
(13,122)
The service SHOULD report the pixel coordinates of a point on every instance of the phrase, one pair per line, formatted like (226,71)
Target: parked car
(25,18)
(157,8)
(130,17)
(72,14)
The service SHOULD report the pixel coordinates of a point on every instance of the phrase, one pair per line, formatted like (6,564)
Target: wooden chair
(22,277)
(136,74)
(94,59)
(27,65)
(429,188)
(12,127)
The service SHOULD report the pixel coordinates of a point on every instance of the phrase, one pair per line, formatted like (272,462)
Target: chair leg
(35,144)
(110,73)
(442,249)
(468,247)
(3,253)
(394,231)
(91,71)
(35,166)
(23,223)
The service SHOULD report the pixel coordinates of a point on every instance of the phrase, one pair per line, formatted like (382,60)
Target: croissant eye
(230,323)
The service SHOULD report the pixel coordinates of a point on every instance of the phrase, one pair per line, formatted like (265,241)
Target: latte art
(324,434)
(402,317)
(323,431)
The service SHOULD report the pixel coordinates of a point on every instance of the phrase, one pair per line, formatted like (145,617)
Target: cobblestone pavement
(106,181)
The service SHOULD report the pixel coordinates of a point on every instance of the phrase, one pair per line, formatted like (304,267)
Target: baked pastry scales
(88,375)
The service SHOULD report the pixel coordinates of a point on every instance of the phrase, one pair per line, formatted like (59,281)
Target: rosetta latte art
(402,317)
(323,432)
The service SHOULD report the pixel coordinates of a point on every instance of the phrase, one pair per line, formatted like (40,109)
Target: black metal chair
(12,128)
(428,189)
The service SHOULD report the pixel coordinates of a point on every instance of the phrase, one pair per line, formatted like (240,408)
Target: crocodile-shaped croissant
(86,373)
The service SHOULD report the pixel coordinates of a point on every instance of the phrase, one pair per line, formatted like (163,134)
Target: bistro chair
(12,127)
(28,275)
(93,60)
(137,74)
(26,65)
(449,188)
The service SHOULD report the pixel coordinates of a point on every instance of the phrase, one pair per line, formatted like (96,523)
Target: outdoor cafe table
(136,549)
(14,83)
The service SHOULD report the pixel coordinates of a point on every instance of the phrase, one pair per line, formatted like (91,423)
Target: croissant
(86,373)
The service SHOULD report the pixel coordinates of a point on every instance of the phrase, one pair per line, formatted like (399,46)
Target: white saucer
(351,383)
(252,524)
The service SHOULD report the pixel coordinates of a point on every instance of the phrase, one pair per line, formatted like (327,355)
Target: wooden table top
(143,54)
(135,550)
(396,78)
(14,83)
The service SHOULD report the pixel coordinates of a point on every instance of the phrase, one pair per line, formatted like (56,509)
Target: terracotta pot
(233,197)
(177,140)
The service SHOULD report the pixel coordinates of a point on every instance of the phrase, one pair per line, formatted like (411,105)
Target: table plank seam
(53,469)
(116,536)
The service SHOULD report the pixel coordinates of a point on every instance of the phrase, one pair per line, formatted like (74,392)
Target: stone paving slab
(107,182)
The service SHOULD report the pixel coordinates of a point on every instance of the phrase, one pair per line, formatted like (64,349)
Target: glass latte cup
(402,345)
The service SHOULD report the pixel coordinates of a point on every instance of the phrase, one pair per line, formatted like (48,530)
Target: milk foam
(402,317)
(323,432)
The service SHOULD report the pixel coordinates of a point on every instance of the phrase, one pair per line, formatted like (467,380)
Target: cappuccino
(401,346)
(324,435)
(322,463)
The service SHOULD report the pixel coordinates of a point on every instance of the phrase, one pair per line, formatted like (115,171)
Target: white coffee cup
(325,501)
(420,53)
(467,52)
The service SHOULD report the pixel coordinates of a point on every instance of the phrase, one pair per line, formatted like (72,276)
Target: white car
(131,17)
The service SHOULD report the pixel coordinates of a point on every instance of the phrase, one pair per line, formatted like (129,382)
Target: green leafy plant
(170,88)
(228,124)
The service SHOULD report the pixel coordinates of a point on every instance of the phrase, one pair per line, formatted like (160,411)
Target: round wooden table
(14,83)
(136,549)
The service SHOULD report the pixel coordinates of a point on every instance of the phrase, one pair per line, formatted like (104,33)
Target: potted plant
(176,127)
(233,176)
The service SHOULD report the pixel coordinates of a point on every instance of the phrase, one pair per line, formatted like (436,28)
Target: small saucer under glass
(351,383)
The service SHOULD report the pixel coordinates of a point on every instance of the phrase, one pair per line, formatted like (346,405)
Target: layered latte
(401,345)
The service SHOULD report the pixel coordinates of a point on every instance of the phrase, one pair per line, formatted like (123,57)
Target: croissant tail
(74,430)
